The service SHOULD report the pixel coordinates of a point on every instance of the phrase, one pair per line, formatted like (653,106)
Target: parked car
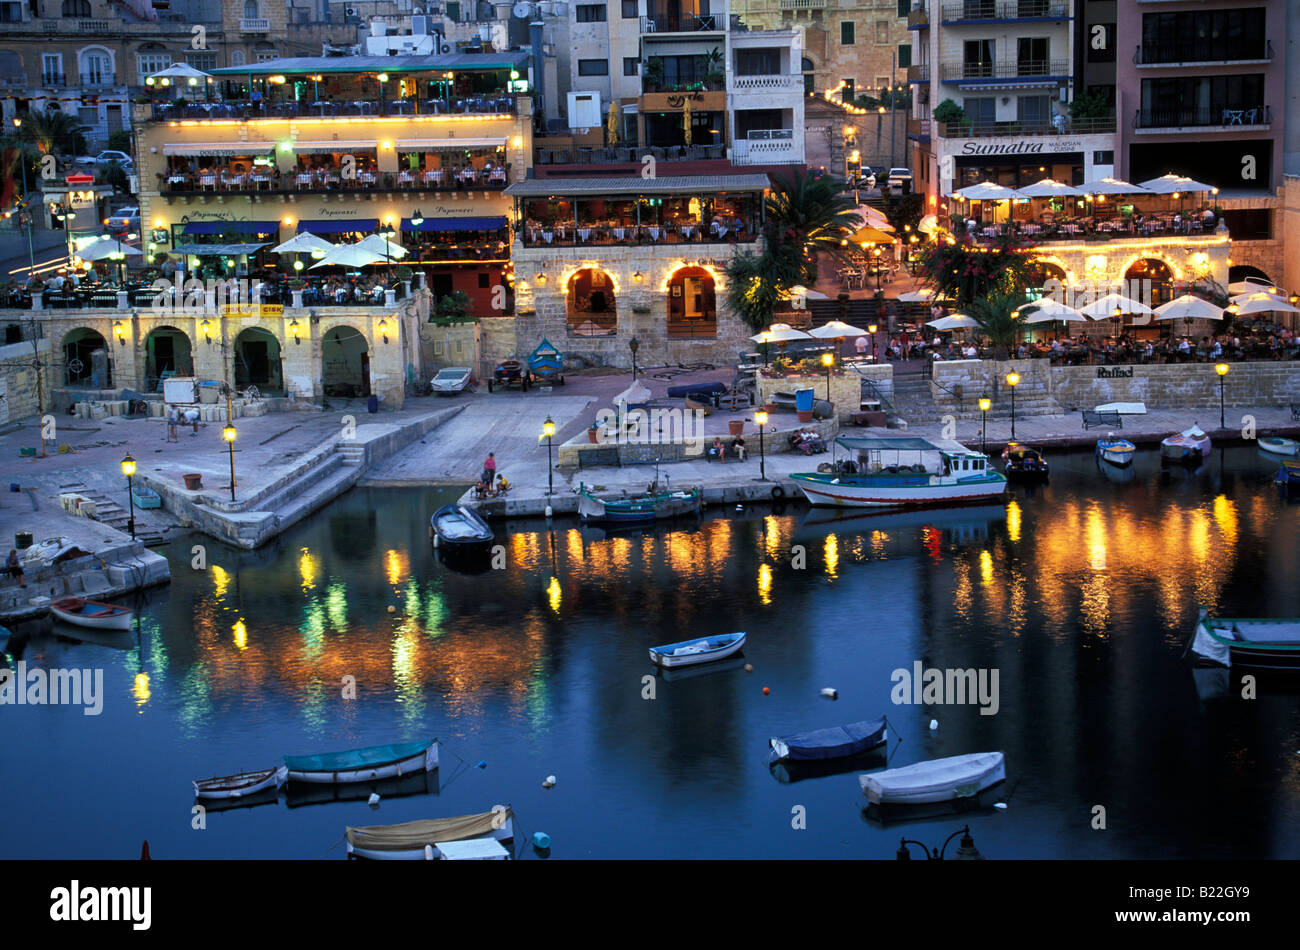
(451,380)
(900,178)
(123,221)
(509,373)
(106,157)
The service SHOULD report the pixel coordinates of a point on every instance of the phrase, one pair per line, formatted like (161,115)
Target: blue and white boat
(652,506)
(362,765)
(903,470)
(699,650)
(837,742)
(1189,446)
(1276,445)
(1289,474)
(1116,451)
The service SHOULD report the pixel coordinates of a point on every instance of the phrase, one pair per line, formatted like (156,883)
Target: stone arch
(257,361)
(590,305)
(1239,272)
(87,359)
(84,66)
(345,361)
(692,304)
(1158,271)
(250,10)
(237,58)
(1044,269)
(168,352)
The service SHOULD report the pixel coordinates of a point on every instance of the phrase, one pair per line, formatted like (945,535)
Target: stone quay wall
(1179,386)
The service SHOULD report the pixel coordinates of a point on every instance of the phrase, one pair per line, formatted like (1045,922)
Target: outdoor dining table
(366,178)
(434,175)
(208,181)
(260,180)
(402,106)
(653,232)
(362,106)
(688,231)
(322,106)
(584,233)
(303,179)
(620,233)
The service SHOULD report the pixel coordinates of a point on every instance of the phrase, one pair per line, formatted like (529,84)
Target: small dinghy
(691,652)
(145,497)
(1116,451)
(1190,445)
(838,742)
(1023,463)
(938,780)
(241,785)
(458,528)
(1279,446)
(467,837)
(362,765)
(1256,643)
(93,614)
(1289,474)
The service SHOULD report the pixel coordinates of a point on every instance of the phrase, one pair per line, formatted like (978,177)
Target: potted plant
(593,433)
(951,115)
(736,426)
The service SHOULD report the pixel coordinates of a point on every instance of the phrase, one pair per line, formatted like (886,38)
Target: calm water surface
(1081,594)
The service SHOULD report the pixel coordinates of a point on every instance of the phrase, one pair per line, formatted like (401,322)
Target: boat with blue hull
(651,506)
(546,364)
(837,742)
(1116,451)
(362,765)
(458,529)
(1289,474)
(888,471)
(699,650)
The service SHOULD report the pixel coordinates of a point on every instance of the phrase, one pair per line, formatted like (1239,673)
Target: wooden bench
(589,458)
(1093,418)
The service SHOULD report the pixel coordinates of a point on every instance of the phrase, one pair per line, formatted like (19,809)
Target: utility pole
(893,108)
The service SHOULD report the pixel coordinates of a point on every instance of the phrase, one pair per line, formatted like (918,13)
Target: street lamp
(26,202)
(632,345)
(128,469)
(871,328)
(1013,380)
(985,405)
(1222,370)
(828,360)
(766,340)
(760,417)
(548,430)
(229,434)
(966,851)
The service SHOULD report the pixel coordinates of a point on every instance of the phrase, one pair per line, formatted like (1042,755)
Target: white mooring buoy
(373,800)
(830,692)
(934,724)
(550,782)
(549,512)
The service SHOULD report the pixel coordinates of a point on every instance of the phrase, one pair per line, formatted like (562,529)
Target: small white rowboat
(435,839)
(93,614)
(702,650)
(939,780)
(364,765)
(1280,446)
(241,785)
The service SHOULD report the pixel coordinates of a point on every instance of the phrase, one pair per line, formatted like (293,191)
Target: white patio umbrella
(107,247)
(304,243)
(955,321)
(349,255)
(1104,307)
(873,217)
(178,71)
(986,191)
(1253,285)
(385,248)
(780,333)
(1048,188)
(1171,184)
(928,224)
(1111,186)
(1189,307)
(1048,310)
(1263,303)
(836,330)
(925,295)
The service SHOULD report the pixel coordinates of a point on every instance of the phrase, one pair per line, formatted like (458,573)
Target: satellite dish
(522,10)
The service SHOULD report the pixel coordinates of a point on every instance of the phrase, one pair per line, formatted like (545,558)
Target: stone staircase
(109,512)
(916,402)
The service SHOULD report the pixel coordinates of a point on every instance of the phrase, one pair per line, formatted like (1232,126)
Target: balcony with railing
(683,22)
(245,109)
(98,78)
(918,72)
(972,11)
(254,25)
(764,83)
(1005,70)
(766,147)
(54,80)
(970,129)
(1192,53)
(803,4)
(1232,118)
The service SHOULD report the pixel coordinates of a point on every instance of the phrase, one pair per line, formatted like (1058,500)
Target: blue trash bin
(372,404)
(803,400)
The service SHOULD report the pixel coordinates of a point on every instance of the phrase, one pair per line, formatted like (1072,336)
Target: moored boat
(425,840)
(1023,463)
(1258,643)
(699,650)
(1289,473)
(837,742)
(1277,445)
(1190,445)
(652,506)
(546,364)
(937,780)
(1116,451)
(362,765)
(907,470)
(242,784)
(145,497)
(92,613)
(458,528)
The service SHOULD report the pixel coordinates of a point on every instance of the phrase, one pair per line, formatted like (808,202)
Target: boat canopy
(417,834)
(356,758)
(907,443)
(836,742)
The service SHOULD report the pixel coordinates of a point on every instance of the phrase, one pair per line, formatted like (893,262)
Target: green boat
(363,765)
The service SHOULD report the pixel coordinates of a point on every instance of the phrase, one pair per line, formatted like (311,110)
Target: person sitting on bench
(718,450)
(738,448)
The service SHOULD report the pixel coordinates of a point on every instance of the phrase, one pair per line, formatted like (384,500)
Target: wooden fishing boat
(699,650)
(1190,445)
(1277,445)
(241,785)
(1289,473)
(1116,451)
(1253,643)
(938,780)
(47,552)
(546,364)
(145,497)
(457,527)
(362,765)
(428,840)
(1023,463)
(908,470)
(837,742)
(93,614)
(652,506)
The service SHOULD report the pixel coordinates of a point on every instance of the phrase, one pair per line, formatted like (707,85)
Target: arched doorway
(167,353)
(1239,272)
(809,75)
(86,360)
(591,308)
(257,361)
(692,304)
(1043,272)
(1150,281)
(345,359)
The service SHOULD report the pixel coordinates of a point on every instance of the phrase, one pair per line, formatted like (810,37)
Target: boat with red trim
(889,471)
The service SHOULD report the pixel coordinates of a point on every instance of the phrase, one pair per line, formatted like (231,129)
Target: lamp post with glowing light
(760,417)
(26,202)
(966,850)
(229,433)
(872,328)
(985,405)
(828,360)
(548,430)
(128,469)
(1222,370)
(1013,380)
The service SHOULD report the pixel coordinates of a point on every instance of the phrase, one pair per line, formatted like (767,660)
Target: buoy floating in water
(549,512)
(541,840)
(830,693)
(550,782)
(766,691)
(749,667)
(373,800)
(934,724)
(482,764)
(1002,805)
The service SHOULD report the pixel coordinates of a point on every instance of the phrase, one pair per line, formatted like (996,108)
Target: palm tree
(53,132)
(999,319)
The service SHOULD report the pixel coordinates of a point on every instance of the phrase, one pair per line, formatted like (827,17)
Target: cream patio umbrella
(304,243)
(1189,307)
(1048,188)
(1048,310)
(1262,303)
(686,121)
(349,255)
(611,123)
(954,321)
(384,247)
(1114,306)
(780,334)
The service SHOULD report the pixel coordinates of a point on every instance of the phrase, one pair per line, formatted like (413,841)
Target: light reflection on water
(1082,593)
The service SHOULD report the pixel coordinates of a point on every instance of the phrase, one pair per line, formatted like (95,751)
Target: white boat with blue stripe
(886,471)
(699,650)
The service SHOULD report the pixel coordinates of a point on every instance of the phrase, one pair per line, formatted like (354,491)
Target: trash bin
(23,540)
(193,481)
(372,404)
(803,405)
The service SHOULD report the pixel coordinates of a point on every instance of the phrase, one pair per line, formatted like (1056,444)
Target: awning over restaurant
(604,187)
(433,145)
(215,250)
(337,145)
(456,224)
(338,227)
(217,148)
(232,227)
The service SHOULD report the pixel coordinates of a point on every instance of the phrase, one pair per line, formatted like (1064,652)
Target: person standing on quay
(490,469)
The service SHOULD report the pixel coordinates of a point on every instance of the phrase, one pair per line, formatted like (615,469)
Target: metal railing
(99,79)
(254,25)
(968,129)
(240,109)
(600,156)
(777,81)
(1164,54)
(54,79)
(1006,10)
(683,23)
(803,4)
(1006,69)
(274,182)
(646,234)
(1212,116)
